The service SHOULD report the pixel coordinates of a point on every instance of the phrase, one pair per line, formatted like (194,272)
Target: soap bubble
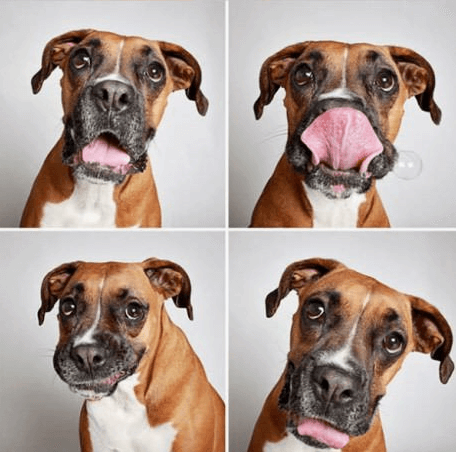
(408,166)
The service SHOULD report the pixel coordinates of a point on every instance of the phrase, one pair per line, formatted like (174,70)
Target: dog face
(349,337)
(114,92)
(110,316)
(344,107)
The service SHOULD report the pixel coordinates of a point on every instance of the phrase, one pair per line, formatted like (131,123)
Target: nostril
(97,360)
(346,396)
(324,384)
(124,99)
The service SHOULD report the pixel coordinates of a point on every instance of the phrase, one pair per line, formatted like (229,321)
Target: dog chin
(309,441)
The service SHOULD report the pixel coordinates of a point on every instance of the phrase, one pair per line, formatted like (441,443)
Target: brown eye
(394,343)
(155,72)
(315,309)
(134,311)
(67,307)
(81,60)
(303,75)
(385,81)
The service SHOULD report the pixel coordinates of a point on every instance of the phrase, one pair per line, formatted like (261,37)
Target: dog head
(349,337)
(344,107)
(110,317)
(114,93)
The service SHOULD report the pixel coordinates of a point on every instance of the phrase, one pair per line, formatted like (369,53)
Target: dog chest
(291,444)
(334,213)
(90,205)
(119,423)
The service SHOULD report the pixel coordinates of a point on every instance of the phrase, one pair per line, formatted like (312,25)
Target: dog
(344,105)
(349,337)
(144,386)
(114,93)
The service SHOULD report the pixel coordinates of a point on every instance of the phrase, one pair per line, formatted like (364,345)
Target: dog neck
(334,213)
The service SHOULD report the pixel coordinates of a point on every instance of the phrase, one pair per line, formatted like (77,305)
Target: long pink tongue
(323,433)
(100,151)
(342,138)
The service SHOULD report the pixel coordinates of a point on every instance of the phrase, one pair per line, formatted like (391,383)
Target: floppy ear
(171,280)
(186,73)
(296,276)
(274,73)
(432,334)
(418,76)
(54,54)
(53,285)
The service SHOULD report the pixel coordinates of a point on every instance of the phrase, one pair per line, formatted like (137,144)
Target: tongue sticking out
(104,153)
(343,139)
(323,433)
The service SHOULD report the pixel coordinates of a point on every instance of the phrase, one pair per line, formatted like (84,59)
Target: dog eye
(134,311)
(155,72)
(81,60)
(385,81)
(314,309)
(303,75)
(67,307)
(393,343)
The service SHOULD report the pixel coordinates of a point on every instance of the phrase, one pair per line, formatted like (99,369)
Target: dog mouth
(96,389)
(319,434)
(106,159)
(339,151)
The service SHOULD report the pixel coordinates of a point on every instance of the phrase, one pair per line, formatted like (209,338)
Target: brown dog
(114,93)
(349,337)
(344,107)
(144,386)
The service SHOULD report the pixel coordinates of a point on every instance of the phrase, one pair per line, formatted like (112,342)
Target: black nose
(114,96)
(334,385)
(88,358)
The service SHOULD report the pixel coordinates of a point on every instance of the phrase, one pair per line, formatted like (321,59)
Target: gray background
(38,411)
(188,153)
(260,28)
(418,411)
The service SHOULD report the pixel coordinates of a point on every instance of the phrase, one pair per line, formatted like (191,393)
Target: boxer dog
(145,388)
(114,93)
(344,106)
(349,337)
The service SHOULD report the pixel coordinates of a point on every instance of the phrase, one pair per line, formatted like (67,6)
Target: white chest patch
(292,444)
(334,213)
(119,423)
(91,205)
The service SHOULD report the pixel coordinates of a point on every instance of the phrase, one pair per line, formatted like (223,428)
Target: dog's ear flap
(433,335)
(54,54)
(296,276)
(186,73)
(53,285)
(171,280)
(274,74)
(419,78)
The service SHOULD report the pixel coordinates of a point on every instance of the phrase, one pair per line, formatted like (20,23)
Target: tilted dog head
(344,107)
(114,92)
(110,317)
(349,337)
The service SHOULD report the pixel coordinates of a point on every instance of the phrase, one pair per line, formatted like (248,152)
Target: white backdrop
(188,153)
(418,411)
(260,28)
(38,412)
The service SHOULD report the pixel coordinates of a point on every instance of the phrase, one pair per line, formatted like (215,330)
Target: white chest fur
(292,444)
(119,423)
(91,205)
(334,213)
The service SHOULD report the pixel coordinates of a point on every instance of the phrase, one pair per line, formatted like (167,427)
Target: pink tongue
(323,433)
(100,151)
(342,138)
